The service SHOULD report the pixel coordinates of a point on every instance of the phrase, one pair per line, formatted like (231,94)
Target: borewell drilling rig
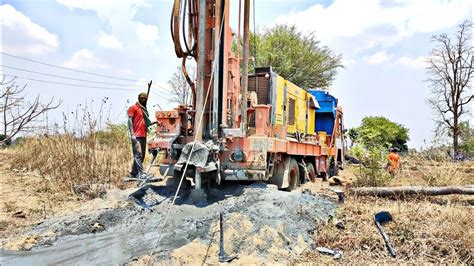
(257,127)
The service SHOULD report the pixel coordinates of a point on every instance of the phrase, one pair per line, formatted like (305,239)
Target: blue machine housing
(326,114)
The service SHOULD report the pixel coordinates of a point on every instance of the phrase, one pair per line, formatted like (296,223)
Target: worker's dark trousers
(138,156)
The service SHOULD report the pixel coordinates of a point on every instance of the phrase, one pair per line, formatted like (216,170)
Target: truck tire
(311,172)
(293,175)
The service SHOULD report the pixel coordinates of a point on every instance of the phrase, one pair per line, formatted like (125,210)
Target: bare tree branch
(450,68)
(182,93)
(18,114)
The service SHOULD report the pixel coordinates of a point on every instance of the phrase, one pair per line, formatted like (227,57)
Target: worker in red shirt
(138,123)
(393,161)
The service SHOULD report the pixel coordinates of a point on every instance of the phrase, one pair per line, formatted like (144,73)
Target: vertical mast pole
(201,70)
(217,98)
(245,74)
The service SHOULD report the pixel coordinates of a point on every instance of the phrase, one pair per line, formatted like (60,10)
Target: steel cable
(70,69)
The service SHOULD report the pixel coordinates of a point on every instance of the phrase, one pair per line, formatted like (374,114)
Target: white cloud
(348,61)
(22,36)
(109,41)
(378,22)
(85,59)
(378,58)
(106,8)
(120,16)
(416,63)
(147,33)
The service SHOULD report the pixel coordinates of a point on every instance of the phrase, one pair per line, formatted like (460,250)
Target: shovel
(379,219)
(223,257)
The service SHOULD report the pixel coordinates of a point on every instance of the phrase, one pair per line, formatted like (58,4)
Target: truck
(241,126)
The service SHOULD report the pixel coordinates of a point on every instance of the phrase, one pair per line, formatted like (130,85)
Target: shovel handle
(391,252)
(149,86)
(221,236)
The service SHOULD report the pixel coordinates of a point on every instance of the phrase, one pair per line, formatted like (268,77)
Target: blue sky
(383,43)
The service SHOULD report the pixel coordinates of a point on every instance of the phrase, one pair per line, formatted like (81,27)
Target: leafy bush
(467,140)
(373,171)
(3,137)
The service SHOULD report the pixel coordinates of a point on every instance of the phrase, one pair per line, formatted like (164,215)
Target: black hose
(171,26)
(184,28)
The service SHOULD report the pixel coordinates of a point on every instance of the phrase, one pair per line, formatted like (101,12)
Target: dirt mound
(243,239)
(260,224)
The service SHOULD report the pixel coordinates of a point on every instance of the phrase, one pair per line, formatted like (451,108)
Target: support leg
(198,194)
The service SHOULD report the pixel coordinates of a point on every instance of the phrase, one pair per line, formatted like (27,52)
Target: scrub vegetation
(83,157)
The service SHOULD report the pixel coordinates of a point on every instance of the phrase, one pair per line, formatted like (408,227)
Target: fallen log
(412,190)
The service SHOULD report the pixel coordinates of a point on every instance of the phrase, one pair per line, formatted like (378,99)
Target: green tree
(298,58)
(379,131)
(466,144)
(353,135)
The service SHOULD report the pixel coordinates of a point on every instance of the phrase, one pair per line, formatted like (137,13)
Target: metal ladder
(271,165)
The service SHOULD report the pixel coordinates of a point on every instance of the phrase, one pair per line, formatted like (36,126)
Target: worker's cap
(143,95)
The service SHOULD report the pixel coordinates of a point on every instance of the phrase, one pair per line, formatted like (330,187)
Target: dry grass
(416,170)
(420,170)
(421,231)
(23,193)
(83,166)
(424,230)
(83,156)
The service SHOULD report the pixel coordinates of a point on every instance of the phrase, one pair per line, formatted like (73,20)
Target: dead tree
(412,190)
(182,93)
(17,114)
(450,69)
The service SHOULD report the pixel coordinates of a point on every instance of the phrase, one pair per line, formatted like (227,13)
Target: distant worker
(138,123)
(393,161)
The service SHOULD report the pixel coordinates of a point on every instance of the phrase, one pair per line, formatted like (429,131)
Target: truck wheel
(293,175)
(311,172)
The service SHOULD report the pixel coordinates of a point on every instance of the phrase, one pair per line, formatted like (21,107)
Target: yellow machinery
(293,107)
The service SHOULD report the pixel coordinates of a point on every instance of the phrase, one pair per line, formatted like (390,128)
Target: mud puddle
(122,235)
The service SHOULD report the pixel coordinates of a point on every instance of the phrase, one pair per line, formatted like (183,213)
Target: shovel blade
(383,217)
